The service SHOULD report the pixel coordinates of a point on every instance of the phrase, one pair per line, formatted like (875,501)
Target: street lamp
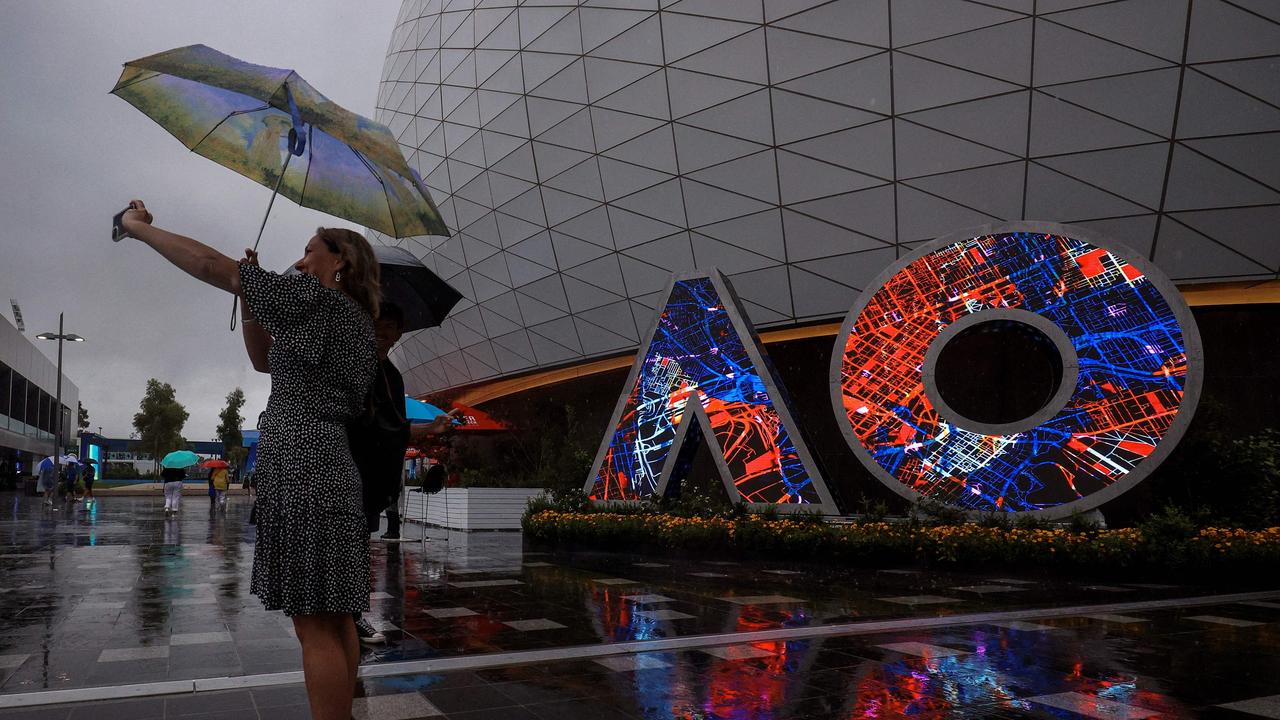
(57,435)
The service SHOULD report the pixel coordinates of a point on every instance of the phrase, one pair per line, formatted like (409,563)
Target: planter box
(469,508)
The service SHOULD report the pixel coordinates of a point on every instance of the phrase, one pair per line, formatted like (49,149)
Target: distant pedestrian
(173,478)
(70,475)
(47,480)
(218,478)
(88,474)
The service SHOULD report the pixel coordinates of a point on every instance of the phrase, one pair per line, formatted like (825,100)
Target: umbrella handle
(235,300)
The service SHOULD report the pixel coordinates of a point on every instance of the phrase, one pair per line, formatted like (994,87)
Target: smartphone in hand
(117,228)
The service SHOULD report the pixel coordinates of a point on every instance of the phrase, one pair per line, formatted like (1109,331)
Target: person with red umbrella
(218,481)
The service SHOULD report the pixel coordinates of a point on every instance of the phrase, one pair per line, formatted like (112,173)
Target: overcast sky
(72,156)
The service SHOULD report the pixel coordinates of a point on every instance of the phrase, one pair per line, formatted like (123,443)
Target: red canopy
(215,464)
(473,420)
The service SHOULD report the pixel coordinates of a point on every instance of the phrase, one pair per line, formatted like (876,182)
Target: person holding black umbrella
(313,332)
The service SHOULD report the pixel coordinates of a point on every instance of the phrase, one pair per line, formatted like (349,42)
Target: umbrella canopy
(252,118)
(420,412)
(412,453)
(66,460)
(180,459)
(424,297)
(89,461)
(420,293)
(215,464)
(473,420)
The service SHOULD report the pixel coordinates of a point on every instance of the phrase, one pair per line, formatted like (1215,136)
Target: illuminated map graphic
(1132,372)
(698,349)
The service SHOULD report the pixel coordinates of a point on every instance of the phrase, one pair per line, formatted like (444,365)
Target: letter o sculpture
(1131,361)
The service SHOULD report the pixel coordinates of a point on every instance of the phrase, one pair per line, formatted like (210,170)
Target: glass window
(6,379)
(18,403)
(33,405)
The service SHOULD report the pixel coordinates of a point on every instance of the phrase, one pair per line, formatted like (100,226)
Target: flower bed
(1209,551)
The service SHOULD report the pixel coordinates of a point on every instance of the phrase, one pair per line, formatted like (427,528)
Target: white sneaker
(368,634)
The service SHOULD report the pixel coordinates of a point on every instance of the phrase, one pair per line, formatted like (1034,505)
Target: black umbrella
(424,297)
(420,293)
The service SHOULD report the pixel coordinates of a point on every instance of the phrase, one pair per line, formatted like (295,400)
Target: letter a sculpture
(702,348)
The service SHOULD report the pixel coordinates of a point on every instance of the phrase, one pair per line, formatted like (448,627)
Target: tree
(82,418)
(159,424)
(229,422)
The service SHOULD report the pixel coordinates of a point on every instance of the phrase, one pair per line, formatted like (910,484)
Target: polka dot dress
(312,552)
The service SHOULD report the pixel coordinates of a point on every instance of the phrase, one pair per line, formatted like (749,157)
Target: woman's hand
(250,257)
(135,217)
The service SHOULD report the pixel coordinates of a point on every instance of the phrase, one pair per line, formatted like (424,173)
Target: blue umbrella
(420,412)
(180,459)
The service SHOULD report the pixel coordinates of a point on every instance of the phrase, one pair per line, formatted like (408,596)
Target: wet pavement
(120,595)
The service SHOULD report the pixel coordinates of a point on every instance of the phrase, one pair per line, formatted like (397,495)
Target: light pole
(57,435)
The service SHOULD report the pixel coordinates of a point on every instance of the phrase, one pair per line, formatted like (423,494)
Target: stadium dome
(581,153)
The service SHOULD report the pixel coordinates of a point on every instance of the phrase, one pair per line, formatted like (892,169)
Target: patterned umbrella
(254,119)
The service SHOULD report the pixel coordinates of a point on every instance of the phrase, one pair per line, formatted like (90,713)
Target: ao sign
(1124,360)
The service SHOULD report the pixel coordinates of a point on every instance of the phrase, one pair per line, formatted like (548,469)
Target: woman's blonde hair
(361,278)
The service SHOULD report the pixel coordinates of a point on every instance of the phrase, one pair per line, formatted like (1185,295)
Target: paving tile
(468,698)
(467,571)
(199,638)
(1262,604)
(1107,588)
(181,602)
(627,663)
(1267,707)
(761,599)
(101,604)
(614,581)
(196,704)
(1093,707)
(648,598)
(1152,586)
(110,590)
(1014,581)
(537,624)
(403,706)
(984,589)
(8,662)
(1119,619)
(485,583)
(137,709)
(709,575)
(1220,620)
(452,612)
(919,600)
(738,652)
(1023,626)
(663,614)
(650,565)
(380,595)
(138,653)
(919,649)
(538,564)
(900,571)
(783,572)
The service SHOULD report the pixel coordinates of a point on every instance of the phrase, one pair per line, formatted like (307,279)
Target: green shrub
(1081,523)
(932,512)
(1168,547)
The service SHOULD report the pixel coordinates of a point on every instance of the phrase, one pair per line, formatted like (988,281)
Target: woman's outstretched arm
(257,343)
(191,256)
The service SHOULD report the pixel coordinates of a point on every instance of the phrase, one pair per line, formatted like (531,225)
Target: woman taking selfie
(313,332)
